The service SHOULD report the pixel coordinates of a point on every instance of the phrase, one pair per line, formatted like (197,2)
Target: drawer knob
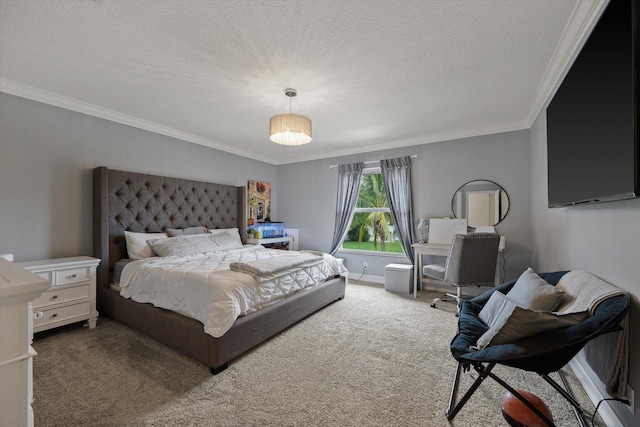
(54,297)
(73,276)
(37,314)
(54,315)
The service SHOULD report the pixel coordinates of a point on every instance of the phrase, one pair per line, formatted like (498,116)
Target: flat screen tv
(592,141)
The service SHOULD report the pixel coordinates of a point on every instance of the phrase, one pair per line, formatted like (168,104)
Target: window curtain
(396,174)
(349,178)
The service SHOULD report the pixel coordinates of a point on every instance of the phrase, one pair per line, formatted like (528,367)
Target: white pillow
(233,232)
(534,293)
(222,230)
(508,322)
(194,244)
(137,244)
(173,232)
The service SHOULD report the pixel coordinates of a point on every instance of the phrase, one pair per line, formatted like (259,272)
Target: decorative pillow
(508,322)
(532,292)
(231,231)
(137,244)
(222,230)
(173,232)
(194,244)
(492,310)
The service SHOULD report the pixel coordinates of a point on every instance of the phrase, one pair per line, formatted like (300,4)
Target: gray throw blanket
(584,291)
(272,265)
(608,356)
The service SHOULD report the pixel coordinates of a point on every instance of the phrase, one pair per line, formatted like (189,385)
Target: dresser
(17,288)
(71,296)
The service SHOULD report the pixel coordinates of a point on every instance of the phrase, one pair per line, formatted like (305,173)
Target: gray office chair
(471,262)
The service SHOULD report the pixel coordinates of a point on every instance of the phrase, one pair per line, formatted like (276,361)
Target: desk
(420,249)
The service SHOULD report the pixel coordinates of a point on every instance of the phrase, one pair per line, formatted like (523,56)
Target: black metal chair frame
(484,371)
(545,353)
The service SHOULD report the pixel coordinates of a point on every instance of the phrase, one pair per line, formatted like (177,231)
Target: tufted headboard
(130,201)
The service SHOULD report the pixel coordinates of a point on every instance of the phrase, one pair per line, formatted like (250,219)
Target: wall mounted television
(592,121)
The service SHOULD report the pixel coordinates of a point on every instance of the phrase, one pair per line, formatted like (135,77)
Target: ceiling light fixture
(290,128)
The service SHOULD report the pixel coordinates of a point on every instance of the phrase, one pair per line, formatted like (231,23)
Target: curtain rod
(413,156)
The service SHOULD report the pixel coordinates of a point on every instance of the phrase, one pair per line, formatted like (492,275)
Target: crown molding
(584,17)
(29,92)
(467,133)
(50,98)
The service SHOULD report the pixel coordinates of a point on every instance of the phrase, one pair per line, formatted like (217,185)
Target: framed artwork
(258,202)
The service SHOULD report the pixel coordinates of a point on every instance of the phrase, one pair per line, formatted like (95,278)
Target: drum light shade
(290,128)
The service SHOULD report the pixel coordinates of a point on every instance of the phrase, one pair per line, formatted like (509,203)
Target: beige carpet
(374,359)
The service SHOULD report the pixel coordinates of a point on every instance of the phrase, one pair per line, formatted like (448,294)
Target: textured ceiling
(371,74)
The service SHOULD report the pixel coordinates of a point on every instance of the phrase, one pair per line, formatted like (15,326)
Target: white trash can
(398,278)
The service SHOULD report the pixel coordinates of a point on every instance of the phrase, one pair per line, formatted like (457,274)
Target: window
(371,227)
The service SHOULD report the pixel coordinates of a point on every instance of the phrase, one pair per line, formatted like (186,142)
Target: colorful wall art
(258,202)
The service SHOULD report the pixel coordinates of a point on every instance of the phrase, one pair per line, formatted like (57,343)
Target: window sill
(372,253)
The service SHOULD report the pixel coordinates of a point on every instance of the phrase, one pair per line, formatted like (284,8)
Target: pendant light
(290,128)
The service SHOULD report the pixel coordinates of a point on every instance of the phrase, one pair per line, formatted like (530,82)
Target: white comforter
(203,287)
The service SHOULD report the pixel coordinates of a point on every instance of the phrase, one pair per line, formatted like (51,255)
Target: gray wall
(307,192)
(603,239)
(46,158)
(47,154)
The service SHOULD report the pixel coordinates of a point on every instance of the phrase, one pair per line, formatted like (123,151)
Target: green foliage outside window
(372,230)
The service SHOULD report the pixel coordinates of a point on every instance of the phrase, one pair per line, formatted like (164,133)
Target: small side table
(283,239)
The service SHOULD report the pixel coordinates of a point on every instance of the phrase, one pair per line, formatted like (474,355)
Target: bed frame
(149,203)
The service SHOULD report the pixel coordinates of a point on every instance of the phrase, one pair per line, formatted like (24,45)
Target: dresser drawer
(43,317)
(57,296)
(72,275)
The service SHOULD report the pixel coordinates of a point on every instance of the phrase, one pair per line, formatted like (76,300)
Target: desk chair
(471,262)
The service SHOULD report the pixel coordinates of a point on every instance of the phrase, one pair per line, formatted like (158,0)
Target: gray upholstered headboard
(130,201)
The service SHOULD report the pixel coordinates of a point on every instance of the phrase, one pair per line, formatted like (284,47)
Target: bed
(130,201)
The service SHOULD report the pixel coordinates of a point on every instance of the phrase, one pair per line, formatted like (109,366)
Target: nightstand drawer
(57,296)
(74,275)
(43,317)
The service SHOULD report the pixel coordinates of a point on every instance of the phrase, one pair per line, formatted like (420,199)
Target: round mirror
(481,202)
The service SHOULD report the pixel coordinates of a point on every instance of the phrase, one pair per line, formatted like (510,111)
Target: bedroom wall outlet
(632,399)
(365,265)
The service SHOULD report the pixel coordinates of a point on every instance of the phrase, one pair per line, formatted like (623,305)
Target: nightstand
(271,241)
(72,295)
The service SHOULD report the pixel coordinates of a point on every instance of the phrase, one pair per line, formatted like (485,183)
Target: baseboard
(430,286)
(366,278)
(613,414)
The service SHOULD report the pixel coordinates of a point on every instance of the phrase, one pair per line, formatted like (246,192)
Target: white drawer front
(57,296)
(60,314)
(74,275)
